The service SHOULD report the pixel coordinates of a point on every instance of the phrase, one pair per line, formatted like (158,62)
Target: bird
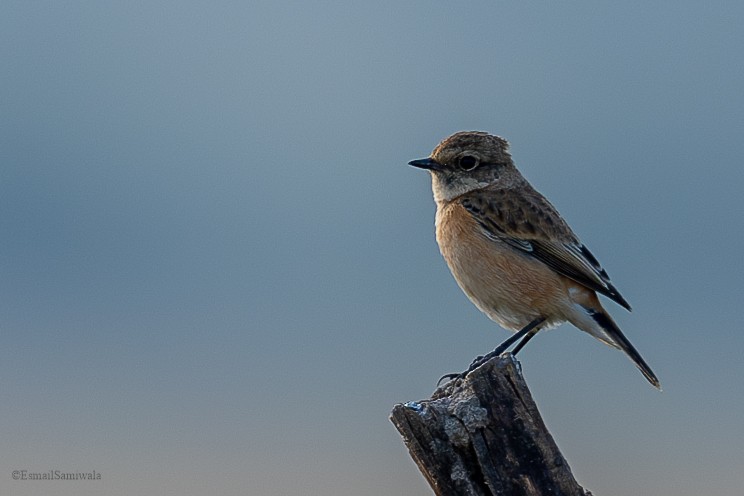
(512,253)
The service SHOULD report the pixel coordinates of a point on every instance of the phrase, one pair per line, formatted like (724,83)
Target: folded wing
(530,224)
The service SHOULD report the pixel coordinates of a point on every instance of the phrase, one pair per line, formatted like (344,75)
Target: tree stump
(483,435)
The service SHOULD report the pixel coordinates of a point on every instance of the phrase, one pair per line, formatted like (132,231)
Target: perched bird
(511,252)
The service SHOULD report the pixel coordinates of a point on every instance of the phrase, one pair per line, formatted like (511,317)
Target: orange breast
(509,286)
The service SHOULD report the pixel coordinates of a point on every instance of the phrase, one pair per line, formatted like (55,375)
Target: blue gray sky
(218,275)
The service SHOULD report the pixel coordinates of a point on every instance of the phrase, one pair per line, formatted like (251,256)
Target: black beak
(426,163)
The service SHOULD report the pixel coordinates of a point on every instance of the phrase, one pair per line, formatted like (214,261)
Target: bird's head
(467,161)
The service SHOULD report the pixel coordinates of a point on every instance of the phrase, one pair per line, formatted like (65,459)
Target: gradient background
(218,275)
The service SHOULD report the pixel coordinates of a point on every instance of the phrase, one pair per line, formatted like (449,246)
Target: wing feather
(530,224)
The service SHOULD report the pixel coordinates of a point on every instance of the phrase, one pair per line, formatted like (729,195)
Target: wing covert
(529,223)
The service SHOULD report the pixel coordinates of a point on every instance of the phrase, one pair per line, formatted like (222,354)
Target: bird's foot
(477,362)
(450,377)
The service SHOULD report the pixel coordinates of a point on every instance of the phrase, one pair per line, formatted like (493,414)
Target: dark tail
(616,335)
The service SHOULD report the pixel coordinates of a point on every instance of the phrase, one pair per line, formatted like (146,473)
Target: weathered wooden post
(483,435)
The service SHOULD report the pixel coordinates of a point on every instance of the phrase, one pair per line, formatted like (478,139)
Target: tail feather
(614,333)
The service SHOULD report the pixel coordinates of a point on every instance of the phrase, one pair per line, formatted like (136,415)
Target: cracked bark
(484,436)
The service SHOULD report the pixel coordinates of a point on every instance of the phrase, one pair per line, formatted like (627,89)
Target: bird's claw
(450,377)
(477,362)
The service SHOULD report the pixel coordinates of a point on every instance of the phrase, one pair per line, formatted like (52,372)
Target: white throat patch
(450,187)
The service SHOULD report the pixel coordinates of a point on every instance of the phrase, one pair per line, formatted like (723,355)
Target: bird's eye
(467,162)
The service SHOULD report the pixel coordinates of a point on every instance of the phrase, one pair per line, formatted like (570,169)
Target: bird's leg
(524,340)
(526,333)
